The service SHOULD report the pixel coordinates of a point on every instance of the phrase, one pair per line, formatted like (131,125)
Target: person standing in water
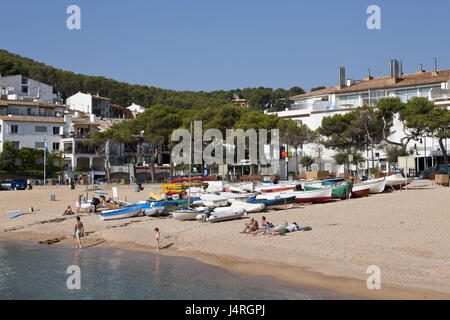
(157,237)
(79,230)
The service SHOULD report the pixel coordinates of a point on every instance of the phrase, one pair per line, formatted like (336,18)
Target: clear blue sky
(228,44)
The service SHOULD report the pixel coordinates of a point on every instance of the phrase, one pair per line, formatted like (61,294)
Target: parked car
(19,184)
(14,184)
(5,184)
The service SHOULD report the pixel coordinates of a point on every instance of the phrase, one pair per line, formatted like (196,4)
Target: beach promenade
(404,233)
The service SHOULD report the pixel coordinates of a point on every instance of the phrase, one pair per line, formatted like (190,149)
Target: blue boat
(124,212)
(332,181)
(272,202)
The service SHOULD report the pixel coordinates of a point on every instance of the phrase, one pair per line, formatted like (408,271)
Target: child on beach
(157,237)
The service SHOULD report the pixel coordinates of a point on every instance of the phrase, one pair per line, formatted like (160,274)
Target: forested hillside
(121,93)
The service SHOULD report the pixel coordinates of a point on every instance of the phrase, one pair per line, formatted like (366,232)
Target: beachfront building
(89,104)
(119,113)
(21,88)
(310,108)
(27,123)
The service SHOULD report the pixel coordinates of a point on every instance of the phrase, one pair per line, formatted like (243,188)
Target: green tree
(307,162)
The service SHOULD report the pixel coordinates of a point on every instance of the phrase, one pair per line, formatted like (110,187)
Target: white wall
(80,102)
(27,135)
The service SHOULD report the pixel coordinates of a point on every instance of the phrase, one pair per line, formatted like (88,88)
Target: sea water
(33,271)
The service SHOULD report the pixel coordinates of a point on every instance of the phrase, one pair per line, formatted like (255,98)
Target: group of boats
(227,202)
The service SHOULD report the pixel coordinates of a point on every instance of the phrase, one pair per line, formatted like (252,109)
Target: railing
(48,114)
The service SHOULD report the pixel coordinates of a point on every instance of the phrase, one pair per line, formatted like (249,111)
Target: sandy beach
(405,233)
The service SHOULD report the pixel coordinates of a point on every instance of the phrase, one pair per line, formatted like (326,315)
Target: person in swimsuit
(68,211)
(79,230)
(250,227)
(279,230)
(264,226)
(157,237)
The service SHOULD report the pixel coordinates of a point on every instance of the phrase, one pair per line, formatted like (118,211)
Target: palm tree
(307,162)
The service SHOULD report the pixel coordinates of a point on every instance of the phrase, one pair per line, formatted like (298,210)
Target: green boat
(338,192)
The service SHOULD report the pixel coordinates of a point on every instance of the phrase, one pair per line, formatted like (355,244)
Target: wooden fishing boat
(332,181)
(341,191)
(375,185)
(397,181)
(359,191)
(270,187)
(127,212)
(272,201)
(313,196)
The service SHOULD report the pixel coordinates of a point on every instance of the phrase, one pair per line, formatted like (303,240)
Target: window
(16,144)
(406,95)
(348,101)
(55,146)
(0,128)
(41,129)
(39,145)
(24,89)
(14,128)
(55,130)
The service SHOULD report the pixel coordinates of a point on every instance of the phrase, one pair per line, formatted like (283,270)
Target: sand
(404,233)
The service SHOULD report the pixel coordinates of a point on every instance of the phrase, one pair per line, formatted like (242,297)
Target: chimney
(369,77)
(393,68)
(435,71)
(420,69)
(400,73)
(341,76)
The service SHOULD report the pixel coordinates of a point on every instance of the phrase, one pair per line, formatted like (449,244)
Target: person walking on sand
(78,204)
(157,237)
(79,230)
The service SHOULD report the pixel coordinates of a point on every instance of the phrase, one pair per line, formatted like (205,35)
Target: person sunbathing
(279,230)
(250,227)
(68,211)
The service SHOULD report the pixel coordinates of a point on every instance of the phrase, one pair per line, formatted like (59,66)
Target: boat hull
(121,213)
(375,186)
(224,215)
(313,196)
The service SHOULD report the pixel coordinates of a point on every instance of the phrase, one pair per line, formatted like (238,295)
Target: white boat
(397,180)
(270,187)
(223,214)
(123,213)
(320,195)
(155,211)
(87,206)
(186,214)
(212,200)
(249,207)
(232,195)
(375,185)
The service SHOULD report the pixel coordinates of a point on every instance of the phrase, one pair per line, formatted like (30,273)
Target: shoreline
(404,232)
(287,274)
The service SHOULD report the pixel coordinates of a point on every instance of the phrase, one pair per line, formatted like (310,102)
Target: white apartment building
(89,104)
(26,124)
(21,88)
(310,108)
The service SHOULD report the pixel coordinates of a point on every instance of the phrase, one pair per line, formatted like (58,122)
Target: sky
(212,45)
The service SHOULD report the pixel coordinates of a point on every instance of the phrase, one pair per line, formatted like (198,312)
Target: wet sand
(405,233)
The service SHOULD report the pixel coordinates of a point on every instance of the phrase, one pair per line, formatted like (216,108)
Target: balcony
(31,113)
